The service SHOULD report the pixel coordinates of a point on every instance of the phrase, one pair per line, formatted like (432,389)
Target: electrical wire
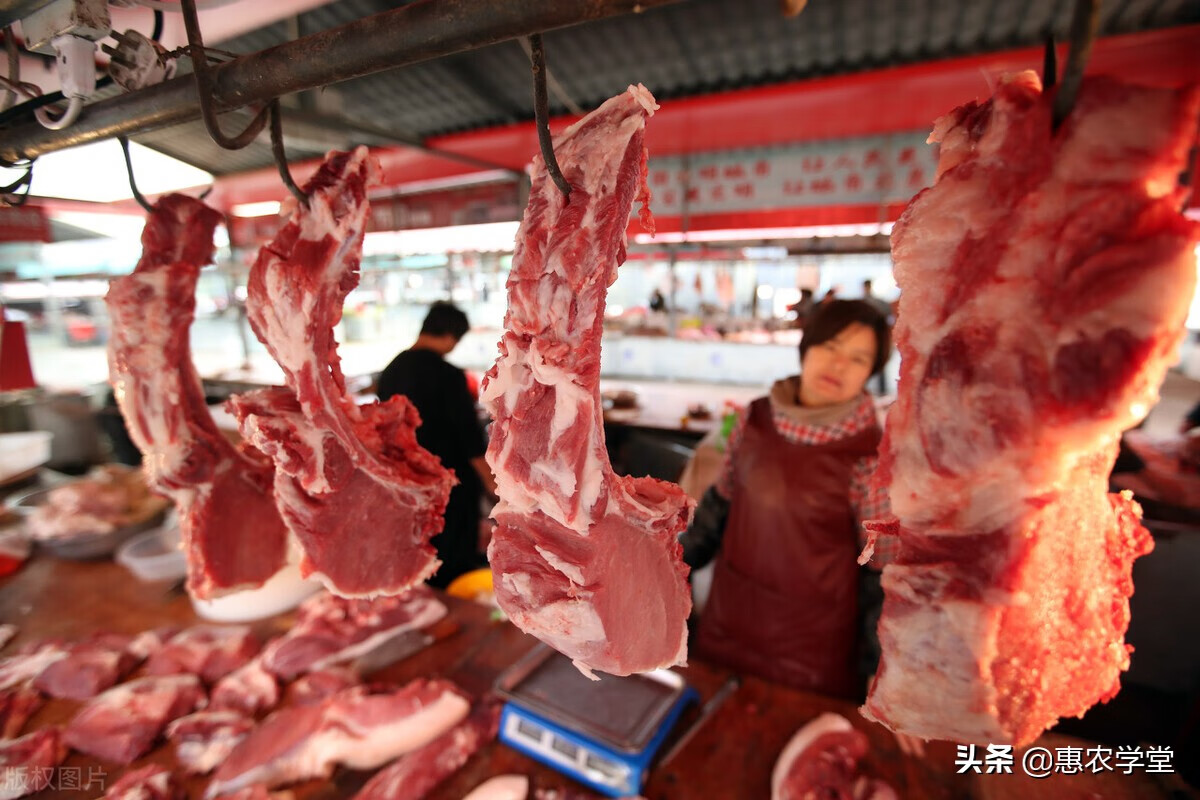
(14,67)
(201,5)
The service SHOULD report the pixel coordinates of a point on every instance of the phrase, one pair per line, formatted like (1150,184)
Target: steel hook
(137,195)
(204,86)
(541,113)
(1084,23)
(281,156)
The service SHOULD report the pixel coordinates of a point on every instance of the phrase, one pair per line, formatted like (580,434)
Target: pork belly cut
(17,706)
(362,497)
(584,559)
(332,630)
(124,722)
(27,764)
(207,651)
(231,529)
(151,782)
(355,728)
(415,774)
(1045,280)
(207,738)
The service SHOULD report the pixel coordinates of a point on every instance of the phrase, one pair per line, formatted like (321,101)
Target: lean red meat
(1045,280)
(152,782)
(821,761)
(333,630)
(250,689)
(27,764)
(207,738)
(207,651)
(88,668)
(356,728)
(361,496)
(17,706)
(417,773)
(584,559)
(124,722)
(231,530)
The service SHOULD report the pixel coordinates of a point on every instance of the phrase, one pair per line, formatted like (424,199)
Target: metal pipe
(406,35)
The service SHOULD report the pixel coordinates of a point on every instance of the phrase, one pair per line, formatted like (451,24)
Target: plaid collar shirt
(867,501)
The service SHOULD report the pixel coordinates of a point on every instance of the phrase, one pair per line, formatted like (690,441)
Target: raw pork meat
(1045,280)
(112,496)
(250,689)
(334,630)
(124,722)
(314,687)
(147,643)
(361,496)
(355,728)
(87,668)
(153,782)
(231,529)
(415,774)
(17,705)
(207,738)
(208,651)
(501,787)
(821,760)
(7,632)
(29,662)
(27,764)
(584,559)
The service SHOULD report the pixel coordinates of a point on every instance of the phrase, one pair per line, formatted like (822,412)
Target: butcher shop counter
(729,755)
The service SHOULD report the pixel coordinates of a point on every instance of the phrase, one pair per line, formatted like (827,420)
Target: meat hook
(541,114)
(204,86)
(1084,23)
(280,156)
(137,195)
(1049,63)
(8,196)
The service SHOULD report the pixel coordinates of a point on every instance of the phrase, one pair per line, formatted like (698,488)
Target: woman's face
(836,370)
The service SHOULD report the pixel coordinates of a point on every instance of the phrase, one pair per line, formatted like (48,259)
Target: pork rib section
(232,533)
(361,496)
(584,559)
(1045,279)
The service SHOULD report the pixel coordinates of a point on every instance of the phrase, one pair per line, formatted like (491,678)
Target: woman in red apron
(784,520)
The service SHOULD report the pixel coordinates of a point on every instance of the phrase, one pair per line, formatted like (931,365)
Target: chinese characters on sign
(861,171)
(1041,762)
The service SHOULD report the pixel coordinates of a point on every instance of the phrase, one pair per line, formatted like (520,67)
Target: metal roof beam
(406,35)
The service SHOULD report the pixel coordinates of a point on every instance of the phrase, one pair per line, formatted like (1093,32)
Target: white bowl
(154,555)
(22,453)
(284,591)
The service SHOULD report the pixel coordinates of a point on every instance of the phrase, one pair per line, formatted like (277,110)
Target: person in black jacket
(449,429)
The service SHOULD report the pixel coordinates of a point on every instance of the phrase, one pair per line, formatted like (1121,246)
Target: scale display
(602,733)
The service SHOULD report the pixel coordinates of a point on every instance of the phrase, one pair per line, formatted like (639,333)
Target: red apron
(783,597)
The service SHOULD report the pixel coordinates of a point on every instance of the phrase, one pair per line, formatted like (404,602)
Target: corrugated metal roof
(682,50)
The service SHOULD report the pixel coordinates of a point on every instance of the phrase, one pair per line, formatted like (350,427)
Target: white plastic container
(283,592)
(22,453)
(154,555)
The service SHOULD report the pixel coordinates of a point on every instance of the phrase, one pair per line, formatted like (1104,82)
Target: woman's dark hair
(834,316)
(445,318)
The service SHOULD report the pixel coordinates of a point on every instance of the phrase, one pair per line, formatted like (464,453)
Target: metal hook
(541,113)
(137,195)
(8,196)
(1084,23)
(281,156)
(1049,63)
(204,86)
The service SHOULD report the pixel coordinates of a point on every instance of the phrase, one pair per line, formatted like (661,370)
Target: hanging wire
(14,67)
(541,113)
(137,195)
(204,87)
(1049,64)
(280,156)
(1084,23)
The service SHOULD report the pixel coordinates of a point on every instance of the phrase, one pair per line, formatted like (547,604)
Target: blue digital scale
(602,733)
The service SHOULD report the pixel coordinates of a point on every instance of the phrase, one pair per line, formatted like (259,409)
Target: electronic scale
(602,733)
